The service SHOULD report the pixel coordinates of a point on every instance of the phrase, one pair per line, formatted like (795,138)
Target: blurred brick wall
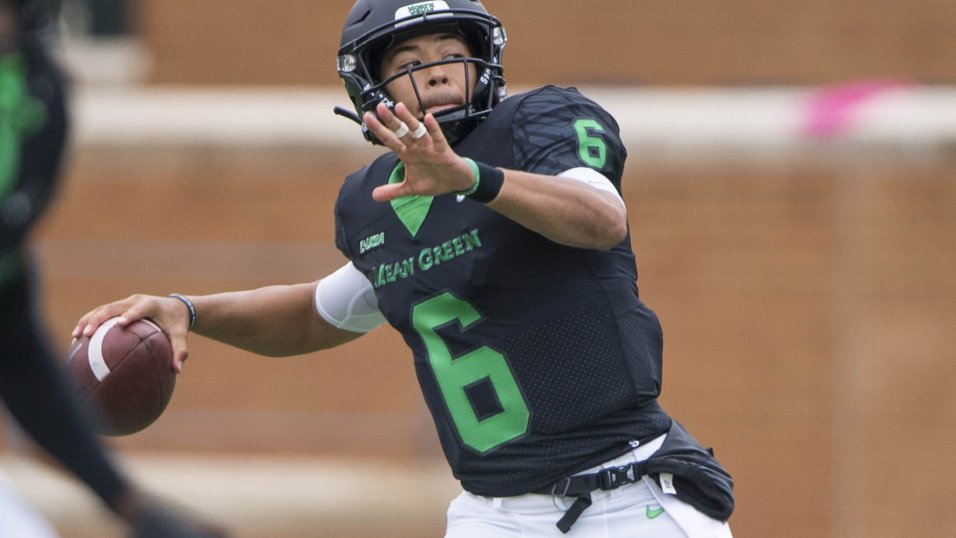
(573,42)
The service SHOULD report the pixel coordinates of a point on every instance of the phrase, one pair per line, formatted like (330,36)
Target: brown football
(125,373)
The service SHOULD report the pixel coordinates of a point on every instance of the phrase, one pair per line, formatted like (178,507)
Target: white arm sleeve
(347,301)
(592,177)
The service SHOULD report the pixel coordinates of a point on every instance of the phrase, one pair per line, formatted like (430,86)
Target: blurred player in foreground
(494,237)
(32,135)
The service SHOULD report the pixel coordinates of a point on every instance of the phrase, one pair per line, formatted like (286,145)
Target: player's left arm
(568,210)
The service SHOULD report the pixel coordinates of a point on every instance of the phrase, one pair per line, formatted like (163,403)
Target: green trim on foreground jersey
(20,114)
(411,210)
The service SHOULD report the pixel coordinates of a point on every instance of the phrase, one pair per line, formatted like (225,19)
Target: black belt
(581,486)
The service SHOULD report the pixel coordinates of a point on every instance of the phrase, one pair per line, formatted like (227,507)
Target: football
(124,374)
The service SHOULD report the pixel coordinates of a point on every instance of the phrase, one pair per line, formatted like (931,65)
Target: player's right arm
(274,320)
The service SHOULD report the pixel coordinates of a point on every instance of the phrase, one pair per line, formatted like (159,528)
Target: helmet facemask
(457,120)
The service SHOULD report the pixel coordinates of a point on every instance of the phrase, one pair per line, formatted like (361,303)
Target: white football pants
(633,511)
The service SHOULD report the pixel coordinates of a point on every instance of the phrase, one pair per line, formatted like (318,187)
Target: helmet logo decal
(420,8)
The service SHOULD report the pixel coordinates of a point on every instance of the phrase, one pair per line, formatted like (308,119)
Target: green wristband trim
(476,174)
(488,182)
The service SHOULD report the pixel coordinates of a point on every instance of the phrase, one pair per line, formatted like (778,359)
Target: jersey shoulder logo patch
(371,242)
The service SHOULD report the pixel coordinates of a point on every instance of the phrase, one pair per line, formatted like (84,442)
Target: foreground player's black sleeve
(40,399)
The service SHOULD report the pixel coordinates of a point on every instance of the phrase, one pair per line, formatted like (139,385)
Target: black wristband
(488,182)
(189,306)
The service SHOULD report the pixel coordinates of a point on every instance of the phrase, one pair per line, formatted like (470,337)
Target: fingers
(180,354)
(398,129)
(126,310)
(168,313)
(435,133)
(384,125)
(431,165)
(177,333)
(417,130)
(387,193)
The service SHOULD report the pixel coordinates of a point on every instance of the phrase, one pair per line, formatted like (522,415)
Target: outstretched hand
(431,165)
(170,314)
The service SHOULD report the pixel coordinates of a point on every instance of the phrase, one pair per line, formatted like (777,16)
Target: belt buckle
(566,481)
(616,477)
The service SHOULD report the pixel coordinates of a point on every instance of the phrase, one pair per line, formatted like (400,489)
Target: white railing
(687,122)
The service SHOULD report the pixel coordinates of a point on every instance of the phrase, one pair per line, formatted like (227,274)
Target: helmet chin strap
(347,113)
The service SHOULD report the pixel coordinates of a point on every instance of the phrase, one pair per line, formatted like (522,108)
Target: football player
(32,134)
(494,238)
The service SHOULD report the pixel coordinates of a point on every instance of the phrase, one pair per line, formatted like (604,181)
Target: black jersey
(536,360)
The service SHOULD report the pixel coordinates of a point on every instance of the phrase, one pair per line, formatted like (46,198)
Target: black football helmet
(373,25)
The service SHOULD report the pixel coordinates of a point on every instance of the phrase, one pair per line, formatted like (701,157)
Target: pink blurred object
(831,111)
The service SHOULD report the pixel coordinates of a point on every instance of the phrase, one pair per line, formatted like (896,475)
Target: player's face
(440,86)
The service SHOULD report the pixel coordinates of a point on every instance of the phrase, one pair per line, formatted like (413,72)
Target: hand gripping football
(125,373)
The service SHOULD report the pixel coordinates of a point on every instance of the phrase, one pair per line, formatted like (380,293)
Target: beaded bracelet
(189,306)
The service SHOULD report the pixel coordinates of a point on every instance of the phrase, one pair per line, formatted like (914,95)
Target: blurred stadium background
(792,195)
